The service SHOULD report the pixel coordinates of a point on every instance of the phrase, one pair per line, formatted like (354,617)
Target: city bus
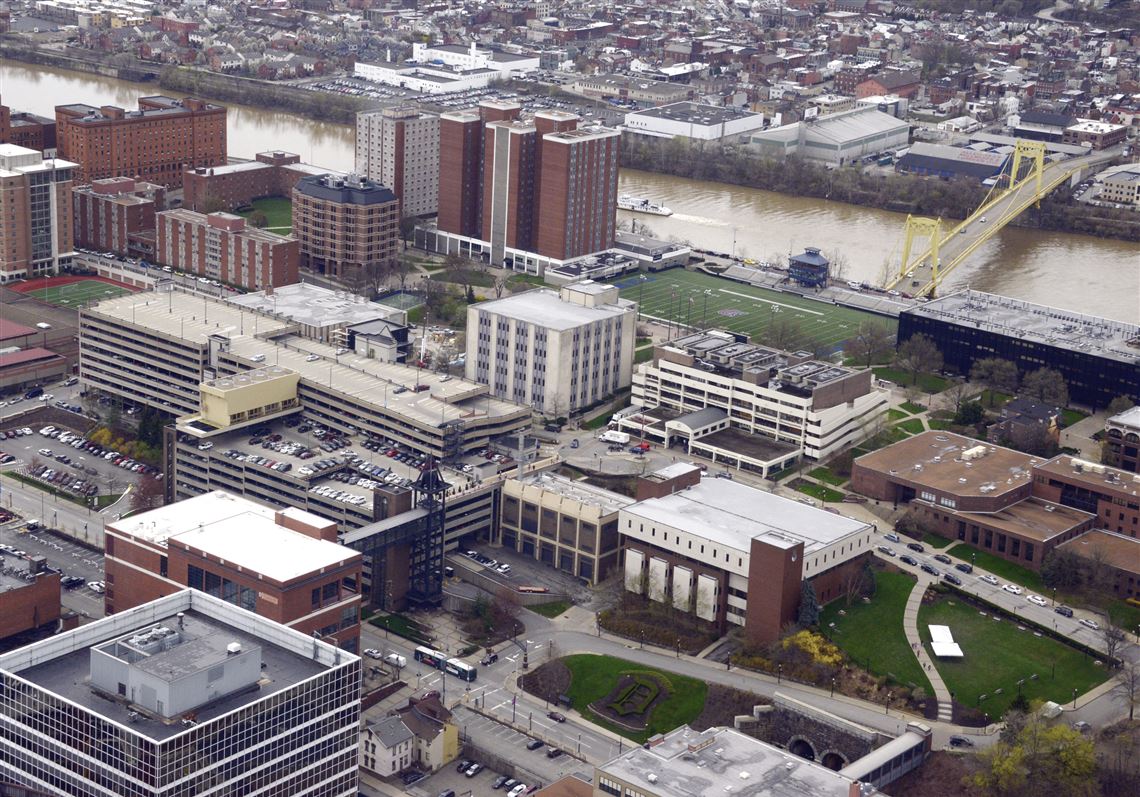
(460,669)
(432,658)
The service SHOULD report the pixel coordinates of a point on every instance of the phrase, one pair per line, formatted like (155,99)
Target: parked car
(372,653)
(989,579)
(943,558)
(892,537)
(931,569)
(887,551)
(1037,600)
(499,782)
(965,568)
(960,741)
(463,764)
(473,770)
(910,560)
(1064,611)
(1013,589)
(534,744)
(951,578)
(1087,623)
(915,546)
(553,752)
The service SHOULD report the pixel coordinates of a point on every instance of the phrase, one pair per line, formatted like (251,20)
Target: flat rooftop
(67,673)
(315,306)
(750,445)
(1033,519)
(698,114)
(1064,329)
(545,308)
(608,502)
(724,761)
(1119,551)
(239,531)
(934,459)
(185,316)
(1095,476)
(733,514)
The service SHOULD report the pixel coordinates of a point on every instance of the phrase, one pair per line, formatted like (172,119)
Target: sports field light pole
(642,279)
(705,312)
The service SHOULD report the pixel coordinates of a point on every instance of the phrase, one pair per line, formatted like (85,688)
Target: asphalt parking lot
(73,559)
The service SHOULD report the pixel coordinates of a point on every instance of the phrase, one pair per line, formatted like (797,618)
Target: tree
(407,228)
(1062,569)
(958,393)
(258,219)
(1047,386)
(1052,759)
(809,606)
(1113,638)
(969,414)
(999,375)
(1119,405)
(782,332)
(870,343)
(856,583)
(918,354)
(147,495)
(1127,689)
(1033,439)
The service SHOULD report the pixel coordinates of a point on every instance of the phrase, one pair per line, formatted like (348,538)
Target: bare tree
(958,393)
(996,374)
(871,342)
(782,332)
(149,494)
(1113,639)
(500,285)
(838,265)
(1046,385)
(917,354)
(1127,689)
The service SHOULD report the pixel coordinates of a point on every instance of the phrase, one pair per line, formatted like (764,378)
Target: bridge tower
(925,228)
(1028,153)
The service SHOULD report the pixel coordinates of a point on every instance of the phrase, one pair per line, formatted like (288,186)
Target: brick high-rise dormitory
(156,143)
(117,215)
(544,186)
(220,246)
(399,148)
(35,213)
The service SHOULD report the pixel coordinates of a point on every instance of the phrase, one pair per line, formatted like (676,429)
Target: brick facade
(219,246)
(109,212)
(155,143)
(30,606)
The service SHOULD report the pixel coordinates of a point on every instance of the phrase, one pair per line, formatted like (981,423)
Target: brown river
(1091,275)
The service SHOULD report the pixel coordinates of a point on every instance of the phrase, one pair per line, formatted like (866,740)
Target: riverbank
(17,49)
(900,193)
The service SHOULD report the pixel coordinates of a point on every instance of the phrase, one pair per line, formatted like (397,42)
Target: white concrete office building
(556,352)
(399,148)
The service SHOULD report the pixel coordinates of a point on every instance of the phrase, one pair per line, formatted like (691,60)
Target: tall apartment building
(555,352)
(461,165)
(187,694)
(344,223)
(220,246)
(399,147)
(283,564)
(525,193)
(156,143)
(231,185)
(35,213)
(117,215)
(748,406)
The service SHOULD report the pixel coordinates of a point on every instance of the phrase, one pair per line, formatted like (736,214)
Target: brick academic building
(1000,500)
(285,564)
(156,143)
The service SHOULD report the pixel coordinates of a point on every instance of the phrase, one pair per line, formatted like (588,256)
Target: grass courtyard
(872,633)
(76,294)
(696,299)
(278,213)
(592,677)
(997,655)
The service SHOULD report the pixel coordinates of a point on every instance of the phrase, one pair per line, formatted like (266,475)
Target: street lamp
(779,673)
(642,279)
(1074,697)
(1054,596)
(887,705)
(833,687)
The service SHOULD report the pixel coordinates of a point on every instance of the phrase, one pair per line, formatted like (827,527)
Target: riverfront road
(961,241)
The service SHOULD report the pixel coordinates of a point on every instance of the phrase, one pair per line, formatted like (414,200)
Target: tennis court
(700,300)
(401,300)
(78,293)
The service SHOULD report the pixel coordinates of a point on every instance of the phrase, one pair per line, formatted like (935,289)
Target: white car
(1089,624)
(1012,588)
(1038,600)
(372,653)
(97,586)
(989,579)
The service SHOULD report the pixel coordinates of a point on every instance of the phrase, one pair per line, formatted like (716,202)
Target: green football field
(76,294)
(699,300)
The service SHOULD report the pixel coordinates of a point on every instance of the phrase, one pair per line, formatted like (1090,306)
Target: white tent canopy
(943,642)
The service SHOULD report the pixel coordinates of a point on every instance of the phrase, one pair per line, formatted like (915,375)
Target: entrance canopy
(943,642)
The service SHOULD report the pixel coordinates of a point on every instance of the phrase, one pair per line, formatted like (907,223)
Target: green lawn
(912,408)
(643,355)
(1069,417)
(914,426)
(552,609)
(928,383)
(999,567)
(939,424)
(278,213)
(872,633)
(402,626)
(593,677)
(997,655)
(825,474)
(934,541)
(897,415)
(74,294)
(743,308)
(825,494)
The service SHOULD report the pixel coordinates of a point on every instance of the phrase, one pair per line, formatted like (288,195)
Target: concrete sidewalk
(910,626)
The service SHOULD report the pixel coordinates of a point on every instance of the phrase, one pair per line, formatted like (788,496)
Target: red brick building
(461,177)
(111,214)
(26,129)
(156,143)
(206,189)
(901,84)
(35,213)
(344,224)
(280,564)
(27,605)
(220,246)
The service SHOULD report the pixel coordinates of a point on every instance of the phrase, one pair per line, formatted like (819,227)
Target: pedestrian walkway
(910,626)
